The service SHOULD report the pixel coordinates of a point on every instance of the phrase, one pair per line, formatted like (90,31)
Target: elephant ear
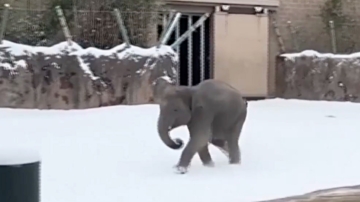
(184,93)
(162,86)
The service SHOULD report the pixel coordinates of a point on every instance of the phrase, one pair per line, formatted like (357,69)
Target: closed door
(241,52)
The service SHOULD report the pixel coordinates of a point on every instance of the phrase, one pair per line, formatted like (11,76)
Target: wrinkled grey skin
(213,111)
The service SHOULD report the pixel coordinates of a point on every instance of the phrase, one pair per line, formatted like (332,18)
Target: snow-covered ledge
(18,156)
(338,194)
(318,76)
(70,77)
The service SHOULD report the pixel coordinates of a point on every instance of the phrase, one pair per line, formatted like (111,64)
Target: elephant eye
(175,110)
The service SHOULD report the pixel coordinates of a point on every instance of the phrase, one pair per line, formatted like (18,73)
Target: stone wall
(313,76)
(70,77)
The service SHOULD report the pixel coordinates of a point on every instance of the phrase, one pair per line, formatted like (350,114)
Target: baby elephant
(213,111)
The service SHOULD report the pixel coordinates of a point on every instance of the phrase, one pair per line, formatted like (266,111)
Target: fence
(88,28)
(330,26)
(322,38)
(98,28)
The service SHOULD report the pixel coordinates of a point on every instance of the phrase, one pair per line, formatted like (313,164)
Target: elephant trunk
(163,130)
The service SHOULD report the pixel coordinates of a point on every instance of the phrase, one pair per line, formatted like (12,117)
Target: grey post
(167,19)
(19,175)
(63,24)
(76,22)
(171,16)
(122,27)
(333,36)
(4,21)
(191,29)
(166,27)
(278,35)
(177,35)
(190,52)
(168,32)
(202,52)
(293,36)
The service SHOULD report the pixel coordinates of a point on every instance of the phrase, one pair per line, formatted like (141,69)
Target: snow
(122,52)
(13,67)
(111,154)
(340,192)
(18,156)
(166,78)
(312,53)
(86,68)
(16,49)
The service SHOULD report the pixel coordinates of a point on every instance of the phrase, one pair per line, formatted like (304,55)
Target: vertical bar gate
(194,51)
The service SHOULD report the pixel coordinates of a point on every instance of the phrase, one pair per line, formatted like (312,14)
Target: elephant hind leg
(221,145)
(233,142)
(205,156)
(234,153)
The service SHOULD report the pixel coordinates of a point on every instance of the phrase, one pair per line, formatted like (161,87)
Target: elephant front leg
(195,144)
(200,133)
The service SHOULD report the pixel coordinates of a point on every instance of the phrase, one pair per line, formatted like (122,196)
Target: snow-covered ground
(114,154)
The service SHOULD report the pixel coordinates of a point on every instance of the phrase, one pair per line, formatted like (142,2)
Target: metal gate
(193,51)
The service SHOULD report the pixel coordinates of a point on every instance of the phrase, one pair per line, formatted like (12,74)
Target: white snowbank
(338,192)
(18,156)
(165,78)
(13,67)
(17,49)
(122,52)
(119,52)
(312,53)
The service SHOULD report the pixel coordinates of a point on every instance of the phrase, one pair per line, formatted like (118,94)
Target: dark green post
(19,175)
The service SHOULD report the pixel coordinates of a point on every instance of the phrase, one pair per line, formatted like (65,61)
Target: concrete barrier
(19,175)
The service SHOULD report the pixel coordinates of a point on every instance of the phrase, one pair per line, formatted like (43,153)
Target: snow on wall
(18,156)
(318,76)
(67,76)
